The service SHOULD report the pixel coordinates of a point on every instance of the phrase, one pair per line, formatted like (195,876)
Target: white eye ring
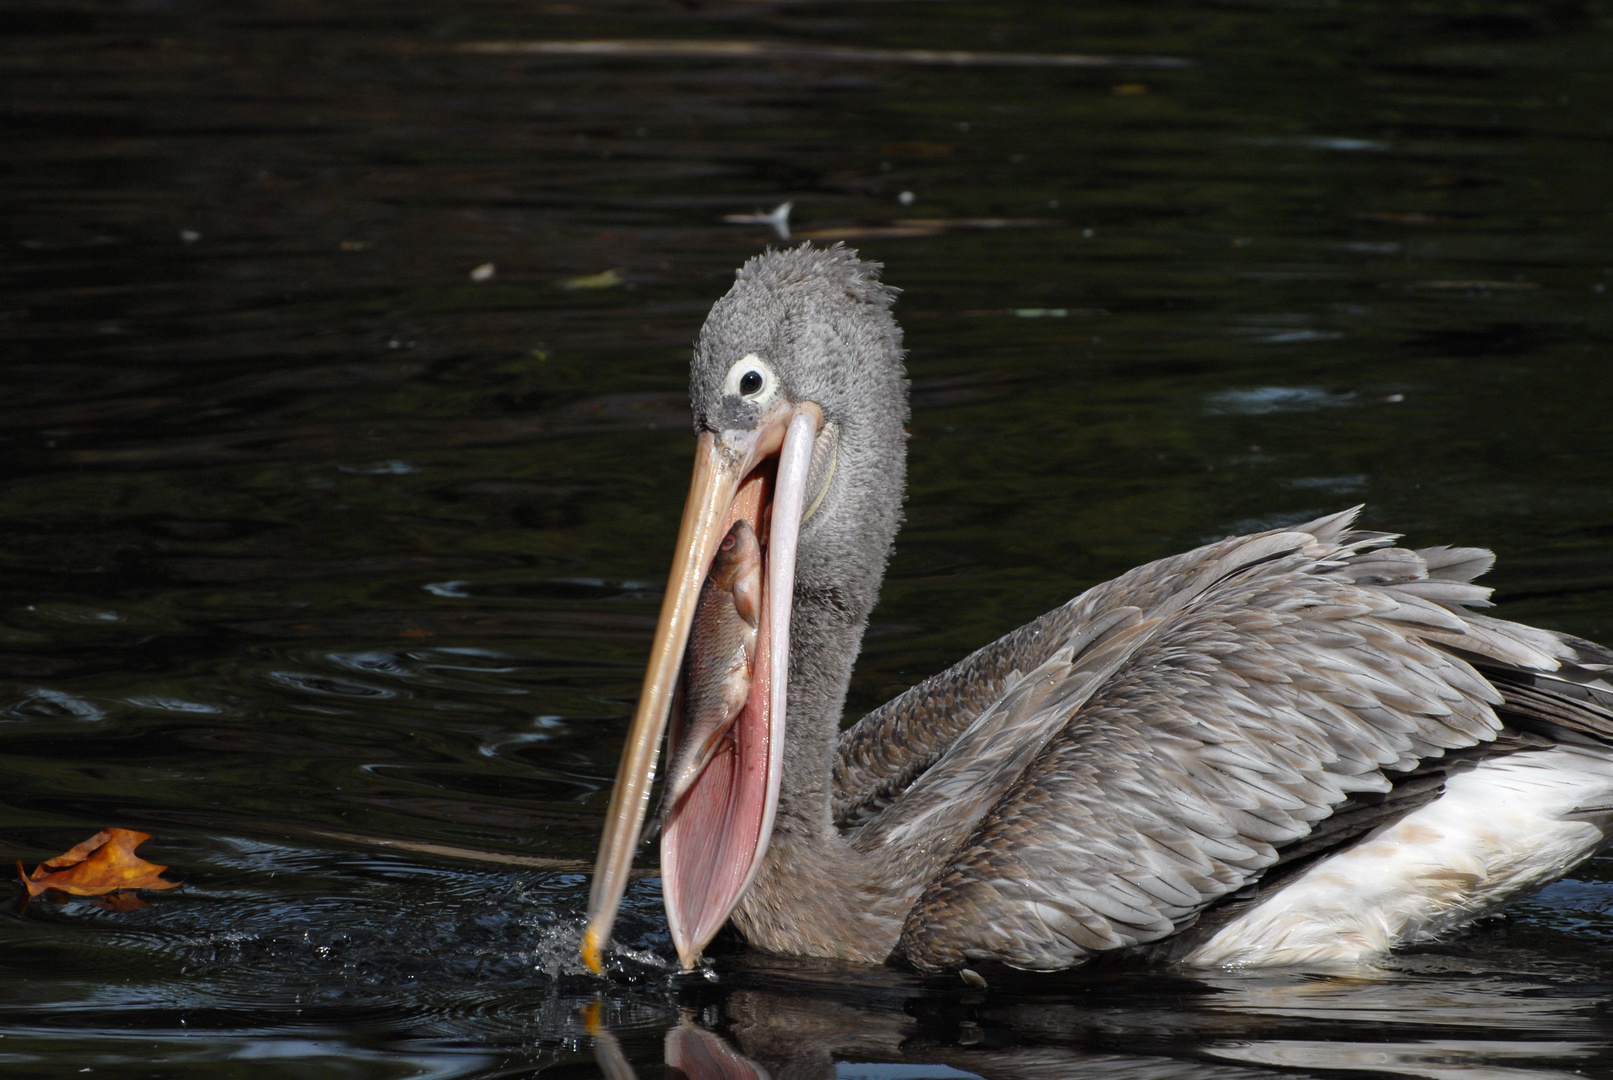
(752,379)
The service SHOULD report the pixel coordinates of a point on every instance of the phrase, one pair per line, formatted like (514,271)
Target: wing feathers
(1248,690)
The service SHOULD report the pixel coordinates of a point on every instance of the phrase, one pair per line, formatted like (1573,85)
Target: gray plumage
(1101,777)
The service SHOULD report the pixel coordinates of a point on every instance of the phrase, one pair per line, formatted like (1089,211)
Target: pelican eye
(753,379)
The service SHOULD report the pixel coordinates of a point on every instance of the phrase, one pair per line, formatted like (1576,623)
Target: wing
(880,757)
(1194,722)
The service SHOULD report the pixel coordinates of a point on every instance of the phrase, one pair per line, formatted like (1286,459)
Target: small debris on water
(1041,312)
(354,245)
(605,279)
(1395,399)
(905,198)
(1130,89)
(189,236)
(778,220)
(483,272)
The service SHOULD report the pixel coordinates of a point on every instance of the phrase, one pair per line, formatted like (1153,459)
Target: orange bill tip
(590,952)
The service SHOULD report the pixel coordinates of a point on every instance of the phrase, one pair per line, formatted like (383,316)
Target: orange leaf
(104,863)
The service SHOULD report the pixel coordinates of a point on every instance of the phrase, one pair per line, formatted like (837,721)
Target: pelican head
(799,403)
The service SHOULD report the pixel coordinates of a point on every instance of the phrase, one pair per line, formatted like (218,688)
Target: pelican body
(1301,747)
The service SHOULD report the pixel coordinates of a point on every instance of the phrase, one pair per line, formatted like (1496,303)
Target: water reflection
(1425,1019)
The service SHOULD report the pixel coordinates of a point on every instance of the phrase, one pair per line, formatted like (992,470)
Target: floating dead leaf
(105,863)
(605,279)
(1130,89)
(484,272)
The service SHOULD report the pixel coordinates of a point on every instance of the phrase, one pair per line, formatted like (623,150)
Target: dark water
(334,569)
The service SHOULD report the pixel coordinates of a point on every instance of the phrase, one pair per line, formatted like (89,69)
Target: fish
(722,656)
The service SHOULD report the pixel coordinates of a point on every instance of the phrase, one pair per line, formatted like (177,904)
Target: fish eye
(752,379)
(728,542)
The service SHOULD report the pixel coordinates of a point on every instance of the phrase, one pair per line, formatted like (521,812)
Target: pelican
(1298,747)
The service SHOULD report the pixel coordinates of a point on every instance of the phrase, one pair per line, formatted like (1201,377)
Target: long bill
(722,464)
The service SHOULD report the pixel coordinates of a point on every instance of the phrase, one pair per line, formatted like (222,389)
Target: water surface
(332,563)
